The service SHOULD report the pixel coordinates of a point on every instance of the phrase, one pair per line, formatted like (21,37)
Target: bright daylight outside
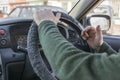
(7,5)
(107,7)
(112,9)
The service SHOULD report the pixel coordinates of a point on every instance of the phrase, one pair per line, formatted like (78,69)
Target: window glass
(27,11)
(112,9)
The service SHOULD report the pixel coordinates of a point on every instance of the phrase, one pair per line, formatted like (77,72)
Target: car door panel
(114,41)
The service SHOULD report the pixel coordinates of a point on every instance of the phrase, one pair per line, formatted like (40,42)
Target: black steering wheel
(33,50)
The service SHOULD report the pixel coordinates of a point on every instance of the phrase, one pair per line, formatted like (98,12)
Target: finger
(89,28)
(84,35)
(36,17)
(88,31)
(58,16)
(99,34)
(49,11)
(98,31)
(84,38)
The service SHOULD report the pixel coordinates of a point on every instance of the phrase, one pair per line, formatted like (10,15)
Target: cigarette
(82,28)
(86,34)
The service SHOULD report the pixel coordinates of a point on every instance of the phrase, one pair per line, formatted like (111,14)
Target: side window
(112,9)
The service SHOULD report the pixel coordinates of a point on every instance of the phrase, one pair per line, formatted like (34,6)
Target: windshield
(27,9)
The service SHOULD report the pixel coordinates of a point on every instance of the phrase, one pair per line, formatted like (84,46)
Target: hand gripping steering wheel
(33,50)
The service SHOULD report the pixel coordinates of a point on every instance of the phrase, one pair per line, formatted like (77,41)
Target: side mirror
(103,20)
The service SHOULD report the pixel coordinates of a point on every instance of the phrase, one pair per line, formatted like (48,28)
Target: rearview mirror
(103,20)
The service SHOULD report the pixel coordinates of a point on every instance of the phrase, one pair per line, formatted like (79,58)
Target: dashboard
(16,35)
(13,47)
(13,33)
(13,42)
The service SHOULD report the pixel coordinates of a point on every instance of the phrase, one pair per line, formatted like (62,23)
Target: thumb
(99,34)
(58,16)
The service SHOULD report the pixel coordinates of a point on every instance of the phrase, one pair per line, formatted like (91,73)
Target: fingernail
(98,26)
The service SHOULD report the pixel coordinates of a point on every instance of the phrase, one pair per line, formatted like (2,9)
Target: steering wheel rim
(35,58)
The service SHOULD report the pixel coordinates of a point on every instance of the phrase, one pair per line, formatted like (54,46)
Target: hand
(93,36)
(46,14)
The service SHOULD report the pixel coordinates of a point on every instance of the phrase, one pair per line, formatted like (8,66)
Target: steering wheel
(35,58)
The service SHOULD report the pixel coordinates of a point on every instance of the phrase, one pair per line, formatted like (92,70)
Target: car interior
(15,57)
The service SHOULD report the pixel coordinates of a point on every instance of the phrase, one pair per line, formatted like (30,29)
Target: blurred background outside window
(111,8)
(8,5)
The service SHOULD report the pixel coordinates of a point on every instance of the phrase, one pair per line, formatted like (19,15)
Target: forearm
(55,46)
(70,63)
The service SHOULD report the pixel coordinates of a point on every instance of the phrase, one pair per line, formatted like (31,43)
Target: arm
(106,48)
(70,63)
(94,38)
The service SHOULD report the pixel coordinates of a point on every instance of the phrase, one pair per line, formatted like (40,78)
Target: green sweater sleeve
(106,48)
(70,63)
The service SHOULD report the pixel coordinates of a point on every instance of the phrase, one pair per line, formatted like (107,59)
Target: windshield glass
(27,9)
